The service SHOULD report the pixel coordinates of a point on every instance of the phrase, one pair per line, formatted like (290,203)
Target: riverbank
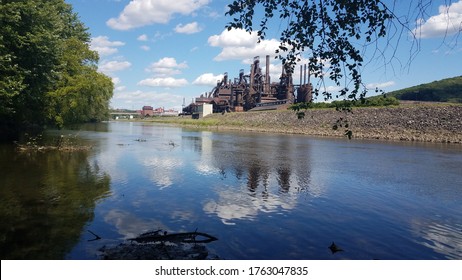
(438,123)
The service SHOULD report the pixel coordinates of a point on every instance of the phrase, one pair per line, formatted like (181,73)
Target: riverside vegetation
(48,74)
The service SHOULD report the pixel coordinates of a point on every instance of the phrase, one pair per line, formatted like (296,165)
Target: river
(264,196)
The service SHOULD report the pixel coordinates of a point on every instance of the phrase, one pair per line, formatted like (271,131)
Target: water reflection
(255,157)
(272,170)
(445,239)
(264,196)
(233,205)
(162,170)
(47,198)
(129,225)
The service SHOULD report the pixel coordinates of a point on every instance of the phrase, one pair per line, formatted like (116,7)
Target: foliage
(446,90)
(82,94)
(45,212)
(330,30)
(48,74)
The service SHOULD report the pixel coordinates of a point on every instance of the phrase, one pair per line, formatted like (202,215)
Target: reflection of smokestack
(267,85)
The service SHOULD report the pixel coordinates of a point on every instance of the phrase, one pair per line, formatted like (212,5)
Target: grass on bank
(213,120)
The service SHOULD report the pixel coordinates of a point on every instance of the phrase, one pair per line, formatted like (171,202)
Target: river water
(264,196)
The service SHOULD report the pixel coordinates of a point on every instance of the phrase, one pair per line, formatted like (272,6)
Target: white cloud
(169,62)
(158,36)
(239,44)
(208,79)
(168,82)
(167,66)
(137,99)
(114,66)
(447,22)
(133,95)
(146,12)
(103,46)
(120,88)
(233,38)
(333,89)
(145,48)
(214,15)
(143,38)
(117,83)
(373,86)
(189,28)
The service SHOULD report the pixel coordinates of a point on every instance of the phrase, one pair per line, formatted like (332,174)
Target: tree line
(48,74)
(446,90)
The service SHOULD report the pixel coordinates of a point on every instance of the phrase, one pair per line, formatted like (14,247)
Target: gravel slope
(412,122)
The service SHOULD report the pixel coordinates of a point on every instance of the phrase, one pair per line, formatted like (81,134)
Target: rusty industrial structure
(255,91)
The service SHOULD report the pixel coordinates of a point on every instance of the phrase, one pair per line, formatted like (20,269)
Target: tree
(81,94)
(48,74)
(28,53)
(333,32)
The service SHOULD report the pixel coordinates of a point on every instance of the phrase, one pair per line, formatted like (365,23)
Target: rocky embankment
(411,122)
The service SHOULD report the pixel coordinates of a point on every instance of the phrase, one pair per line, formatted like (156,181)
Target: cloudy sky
(161,52)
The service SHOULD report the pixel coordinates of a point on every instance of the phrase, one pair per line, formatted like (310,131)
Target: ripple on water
(445,239)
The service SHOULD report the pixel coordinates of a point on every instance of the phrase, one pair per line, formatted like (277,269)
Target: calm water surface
(264,196)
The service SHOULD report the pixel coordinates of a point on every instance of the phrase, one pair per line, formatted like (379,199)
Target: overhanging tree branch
(334,32)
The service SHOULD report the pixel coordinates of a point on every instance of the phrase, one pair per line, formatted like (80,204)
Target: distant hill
(446,90)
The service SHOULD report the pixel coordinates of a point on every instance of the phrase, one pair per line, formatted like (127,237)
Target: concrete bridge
(125,115)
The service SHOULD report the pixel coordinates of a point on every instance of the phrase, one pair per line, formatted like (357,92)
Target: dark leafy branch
(334,34)
(329,30)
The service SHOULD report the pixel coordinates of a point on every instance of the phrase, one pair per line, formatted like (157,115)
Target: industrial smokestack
(267,77)
(301,74)
(304,77)
(308,75)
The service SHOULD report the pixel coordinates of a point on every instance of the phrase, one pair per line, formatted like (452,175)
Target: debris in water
(334,248)
(97,237)
(160,245)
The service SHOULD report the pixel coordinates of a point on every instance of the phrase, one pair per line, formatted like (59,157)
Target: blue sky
(161,52)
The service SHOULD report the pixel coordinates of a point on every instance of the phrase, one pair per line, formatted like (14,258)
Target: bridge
(128,115)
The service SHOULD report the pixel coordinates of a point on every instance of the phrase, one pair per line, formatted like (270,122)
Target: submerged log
(183,237)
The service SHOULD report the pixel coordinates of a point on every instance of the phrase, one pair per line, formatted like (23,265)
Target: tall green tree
(44,53)
(81,94)
(28,50)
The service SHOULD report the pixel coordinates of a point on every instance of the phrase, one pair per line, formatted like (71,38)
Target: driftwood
(97,237)
(183,237)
